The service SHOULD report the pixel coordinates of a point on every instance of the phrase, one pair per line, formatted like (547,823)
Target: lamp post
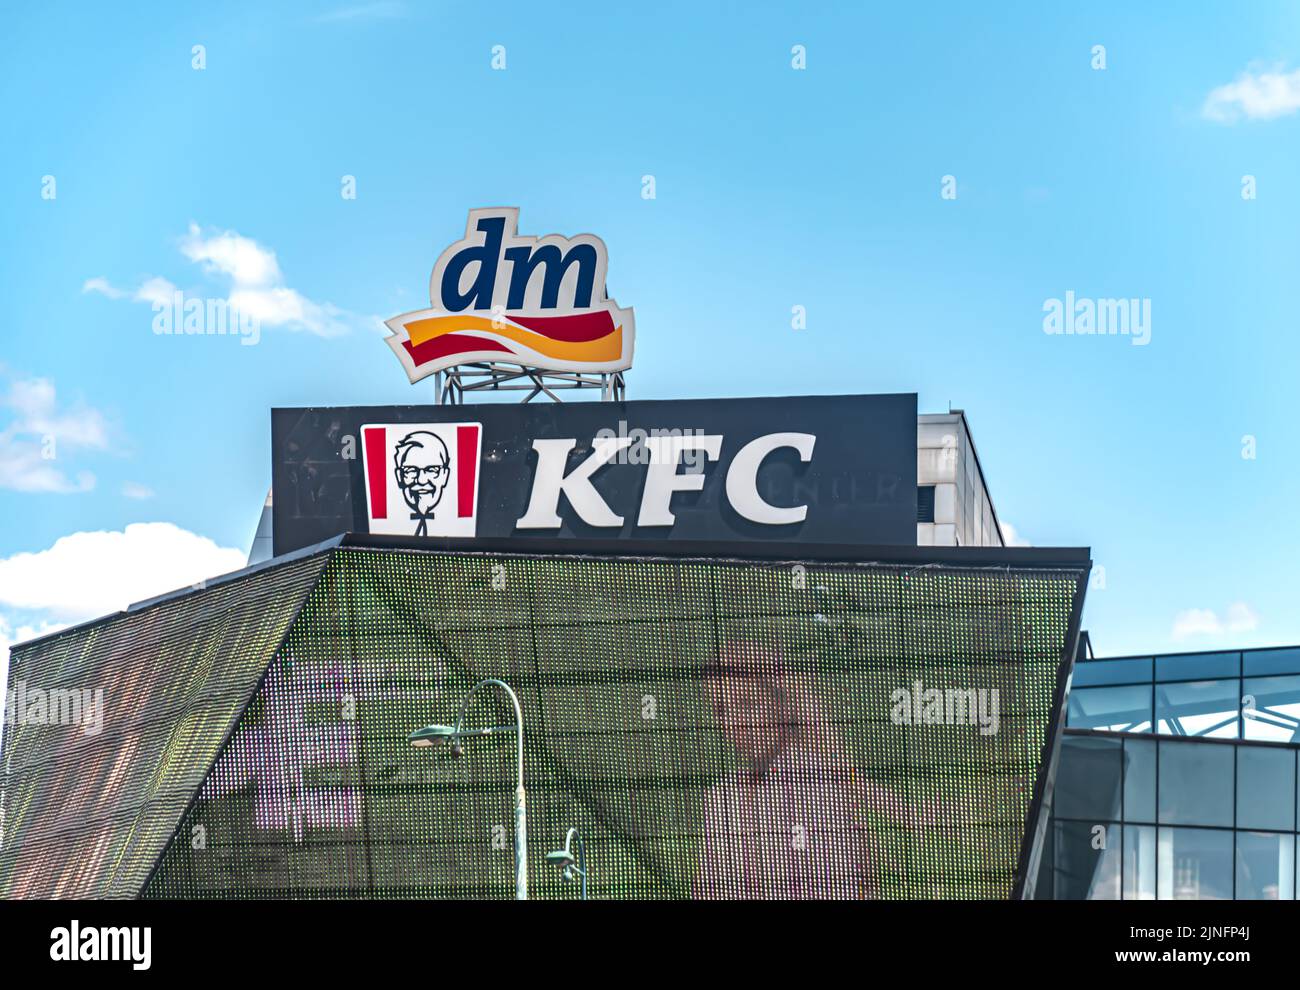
(433,734)
(563,858)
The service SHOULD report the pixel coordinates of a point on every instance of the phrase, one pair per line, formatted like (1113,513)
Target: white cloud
(1010,537)
(38,435)
(1238,618)
(281,307)
(242,258)
(133,489)
(34,401)
(1259,96)
(153,290)
(24,469)
(101,285)
(256,287)
(89,574)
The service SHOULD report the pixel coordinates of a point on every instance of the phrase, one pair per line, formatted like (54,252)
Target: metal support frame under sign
(451,385)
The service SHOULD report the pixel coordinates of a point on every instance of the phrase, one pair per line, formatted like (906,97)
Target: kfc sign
(663,479)
(422,480)
(538,302)
(835,469)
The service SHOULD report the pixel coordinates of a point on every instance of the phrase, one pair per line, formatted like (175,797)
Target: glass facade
(1174,819)
(1178,779)
(1246,694)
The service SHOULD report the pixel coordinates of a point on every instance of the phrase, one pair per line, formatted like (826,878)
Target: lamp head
(560,858)
(434,735)
(564,861)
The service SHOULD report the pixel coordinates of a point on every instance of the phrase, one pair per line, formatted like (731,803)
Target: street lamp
(452,735)
(564,860)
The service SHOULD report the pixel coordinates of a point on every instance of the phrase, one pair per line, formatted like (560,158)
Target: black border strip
(550,546)
(1043,558)
(1036,821)
(265,565)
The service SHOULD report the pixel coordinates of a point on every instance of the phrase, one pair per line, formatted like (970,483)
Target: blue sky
(775,187)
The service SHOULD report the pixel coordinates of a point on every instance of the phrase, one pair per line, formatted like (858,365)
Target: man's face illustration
(423,467)
(751,705)
(748,712)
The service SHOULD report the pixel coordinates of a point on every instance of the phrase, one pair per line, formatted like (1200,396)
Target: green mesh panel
(88,813)
(714,729)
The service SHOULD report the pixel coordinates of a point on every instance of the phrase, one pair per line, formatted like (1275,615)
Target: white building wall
(963,510)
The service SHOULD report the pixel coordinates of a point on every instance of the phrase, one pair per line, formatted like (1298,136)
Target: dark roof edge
(265,565)
(1022,557)
(1045,558)
(1045,779)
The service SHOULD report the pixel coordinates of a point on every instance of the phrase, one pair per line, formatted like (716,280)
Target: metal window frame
(1124,738)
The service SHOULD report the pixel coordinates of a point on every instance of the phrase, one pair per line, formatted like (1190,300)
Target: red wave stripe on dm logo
(580,328)
(576,329)
(452,343)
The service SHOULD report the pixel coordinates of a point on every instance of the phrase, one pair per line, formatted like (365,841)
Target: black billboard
(812,469)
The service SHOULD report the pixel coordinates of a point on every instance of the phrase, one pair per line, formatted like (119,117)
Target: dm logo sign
(534,301)
(422,478)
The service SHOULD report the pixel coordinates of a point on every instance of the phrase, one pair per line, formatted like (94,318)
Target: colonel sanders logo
(422,479)
(422,466)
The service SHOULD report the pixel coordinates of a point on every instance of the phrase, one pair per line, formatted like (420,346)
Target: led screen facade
(112,726)
(714,728)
